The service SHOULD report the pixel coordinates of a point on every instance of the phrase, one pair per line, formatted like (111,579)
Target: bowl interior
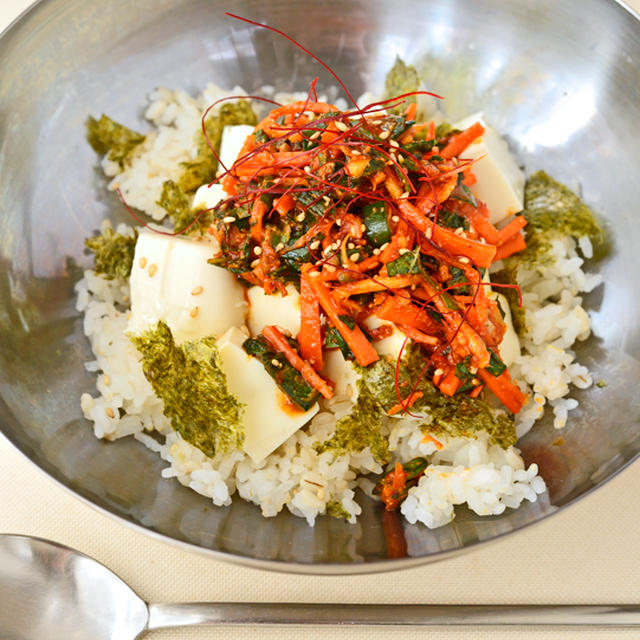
(560,80)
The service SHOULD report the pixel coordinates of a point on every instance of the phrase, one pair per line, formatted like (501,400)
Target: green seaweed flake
(401,78)
(552,210)
(177,204)
(112,253)
(107,136)
(336,510)
(203,169)
(189,380)
(360,429)
(456,416)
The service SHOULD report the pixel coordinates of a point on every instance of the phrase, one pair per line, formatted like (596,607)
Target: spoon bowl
(50,591)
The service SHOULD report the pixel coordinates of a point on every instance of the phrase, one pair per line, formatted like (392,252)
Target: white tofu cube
(171,280)
(509,348)
(342,372)
(393,344)
(269,416)
(275,309)
(207,197)
(233,137)
(500,182)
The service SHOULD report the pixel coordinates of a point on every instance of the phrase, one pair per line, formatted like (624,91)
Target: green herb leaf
(374,218)
(496,366)
(288,378)
(405,264)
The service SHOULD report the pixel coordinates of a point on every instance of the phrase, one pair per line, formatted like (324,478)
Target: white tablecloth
(586,554)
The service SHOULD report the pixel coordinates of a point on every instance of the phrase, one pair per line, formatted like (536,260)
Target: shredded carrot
(310,336)
(518,223)
(511,246)
(429,438)
(461,141)
(279,343)
(504,388)
(364,353)
(411,400)
(393,487)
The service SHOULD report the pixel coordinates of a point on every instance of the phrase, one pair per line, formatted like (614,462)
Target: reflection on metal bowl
(565,96)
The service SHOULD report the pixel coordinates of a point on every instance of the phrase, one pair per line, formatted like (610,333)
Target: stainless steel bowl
(561,80)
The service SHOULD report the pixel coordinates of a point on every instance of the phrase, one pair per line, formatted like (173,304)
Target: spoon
(50,591)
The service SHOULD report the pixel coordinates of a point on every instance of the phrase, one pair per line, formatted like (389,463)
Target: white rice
(467,471)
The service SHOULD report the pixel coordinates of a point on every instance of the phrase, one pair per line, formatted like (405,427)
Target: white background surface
(588,554)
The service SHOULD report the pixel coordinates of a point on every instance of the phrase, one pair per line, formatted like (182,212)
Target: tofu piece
(509,348)
(283,311)
(342,372)
(269,417)
(231,142)
(171,280)
(233,137)
(207,197)
(500,182)
(391,345)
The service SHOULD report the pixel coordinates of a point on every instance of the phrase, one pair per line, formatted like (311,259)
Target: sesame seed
(326,200)
(400,159)
(152,270)
(464,259)
(459,231)
(300,217)
(355,152)
(483,241)
(350,245)
(307,169)
(257,250)
(329,268)
(355,257)
(403,251)
(384,246)
(384,135)
(107,380)
(341,126)
(475,382)
(314,245)
(395,219)
(228,219)
(194,312)
(438,372)
(376,252)
(314,274)
(363,228)
(339,222)
(110,413)
(276,363)
(309,114)
(142,262)
(196,291)
(314,136)
(428,233)
(255,263)
(405,194)
(279,246)
(393,156)
(276,180)
(393,143)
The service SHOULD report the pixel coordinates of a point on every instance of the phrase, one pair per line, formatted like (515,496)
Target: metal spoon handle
(235,613)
